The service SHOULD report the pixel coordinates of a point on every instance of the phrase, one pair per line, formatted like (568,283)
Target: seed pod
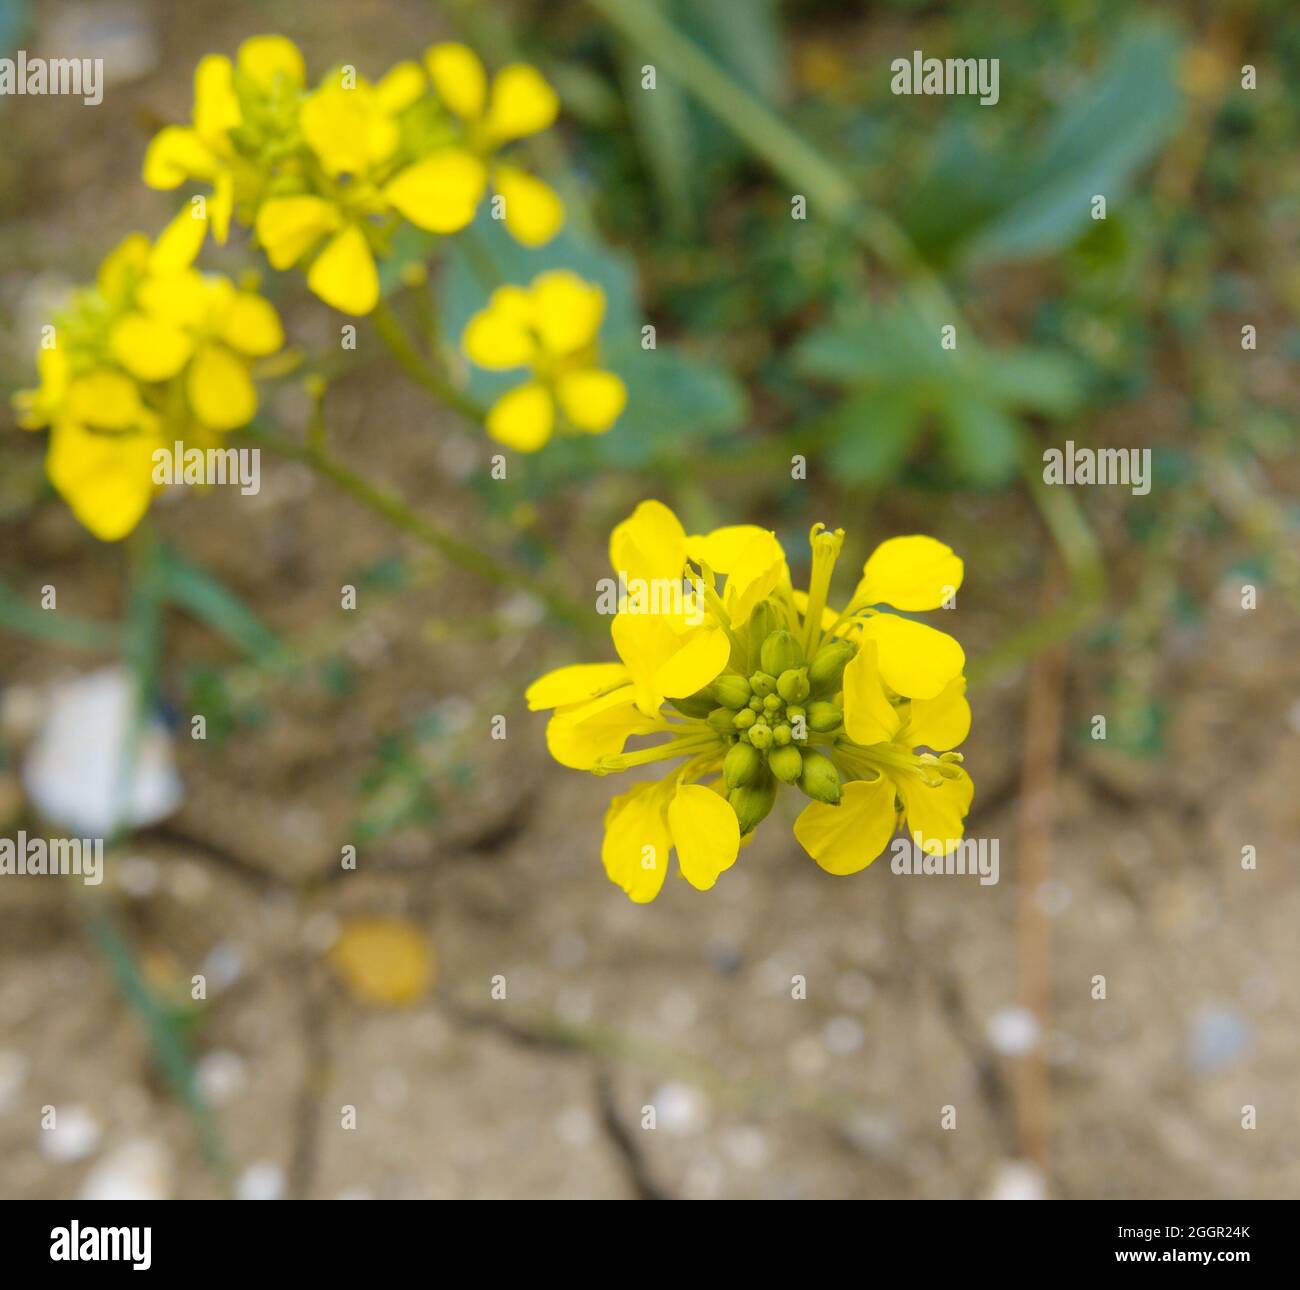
(742,765)
(827,669)
(780,652)
(722,720)
(730,690)
(762,684)
(751,802)
(824,716)
(820,780)
(792,685)
(786,763)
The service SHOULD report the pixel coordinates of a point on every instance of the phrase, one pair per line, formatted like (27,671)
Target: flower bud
(722,720)
(696,705)
(780,652)
(751,802)
(765,619)
(820,780)
(785,763)
(762,684)
(744,719)
(782,735)
(792,685)
(742,765)
(730,690)
(827,669)
(824,716)
(760,736)
(772,703)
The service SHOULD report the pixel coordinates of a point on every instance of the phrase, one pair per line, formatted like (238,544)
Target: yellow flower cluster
(749,684)
(325,176)
(550,328)
(154,352)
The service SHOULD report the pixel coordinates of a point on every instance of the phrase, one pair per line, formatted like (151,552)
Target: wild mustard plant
(747,684)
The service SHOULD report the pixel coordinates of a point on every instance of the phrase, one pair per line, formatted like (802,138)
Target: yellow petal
(909,573)
(534,212)
(183,299)
(150,348)
(440,193)
(216,105)
(664,661)
(384,961)
(37,408)
(177,153)
(574,684)
(287,227)
(104,399)
(495,339)
(869,717)
(107,480)
(252,326)
(522,419)
(122,268)
(567,310)
(705,832)
(915,660)
(263,58)
(935,817)
(637,842)
(346,128)
(722,548)
(754,574)
(592,400)
(221,206)
(650,543)
(942,722)
(179,242)
(344,274)
(522,103)
(580,734)
(458,76)
(400,86)
(220,391)
(846,838)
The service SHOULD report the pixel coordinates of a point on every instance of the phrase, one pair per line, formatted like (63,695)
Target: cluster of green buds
(772,717)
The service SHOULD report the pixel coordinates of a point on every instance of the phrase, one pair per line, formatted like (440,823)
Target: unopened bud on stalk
(827,670)
(742,765)
(762,684)
(696,705)
(824,716)
(760,736)
(792,685)
(765,619)
(744,719)
(731,691)
(820,780)
(780,652)
(722,720)
(785,763)
(752,802)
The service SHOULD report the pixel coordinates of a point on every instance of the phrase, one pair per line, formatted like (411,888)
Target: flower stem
(392,508)
(414,364)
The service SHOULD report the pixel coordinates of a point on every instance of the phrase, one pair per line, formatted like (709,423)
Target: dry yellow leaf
(384,961)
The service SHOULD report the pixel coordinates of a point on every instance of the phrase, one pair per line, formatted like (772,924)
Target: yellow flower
(518,103)
(240,116)
(154,350)
(551,328)
(754,685)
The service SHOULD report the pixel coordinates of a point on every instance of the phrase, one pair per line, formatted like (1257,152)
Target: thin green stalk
(414,364)
(389,505)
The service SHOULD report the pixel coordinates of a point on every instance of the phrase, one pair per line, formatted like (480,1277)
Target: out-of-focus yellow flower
(550,328)
(242,113)
(153,352)
(517,103)
(752,685)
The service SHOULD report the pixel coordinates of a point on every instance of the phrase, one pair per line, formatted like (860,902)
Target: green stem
(397,512)
(414,364)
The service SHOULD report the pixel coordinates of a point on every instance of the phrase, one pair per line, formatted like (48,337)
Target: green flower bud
(742,765)
(795,713)
(782,734)
(824,716)
(780,653)
(827,669)
(760,736)
(792,685)
(820,780)
(756,704)
(765,619)
(786,763)
(722,720)
(697,705)
(762,684)
(772,703)
(744,719)
(751,802)
(730,690)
